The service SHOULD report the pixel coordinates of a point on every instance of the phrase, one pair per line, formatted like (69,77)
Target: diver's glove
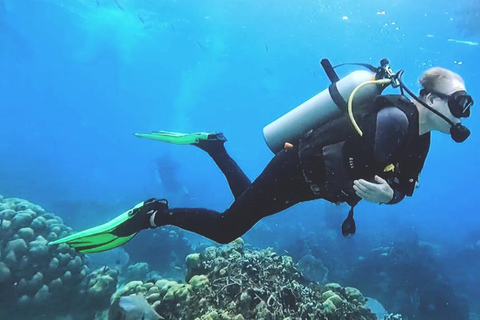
(141,217)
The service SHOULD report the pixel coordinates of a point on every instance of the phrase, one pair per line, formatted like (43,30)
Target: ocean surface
(79,78)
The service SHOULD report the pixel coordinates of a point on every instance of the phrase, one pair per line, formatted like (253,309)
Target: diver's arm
(378,191)
(390,131)
(397,194)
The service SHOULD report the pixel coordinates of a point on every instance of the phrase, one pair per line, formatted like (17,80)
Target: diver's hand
(379,192)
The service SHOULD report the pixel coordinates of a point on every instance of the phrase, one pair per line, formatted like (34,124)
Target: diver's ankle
(156,214)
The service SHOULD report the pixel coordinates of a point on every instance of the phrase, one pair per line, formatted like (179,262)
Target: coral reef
(137,271)
(393,317)
(313,269)
(406,278)
(37,278)
(233,282)
(100,286)
(164,249)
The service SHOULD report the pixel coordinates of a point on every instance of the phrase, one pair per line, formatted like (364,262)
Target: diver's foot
(141,217)
(212,143)
(153,208)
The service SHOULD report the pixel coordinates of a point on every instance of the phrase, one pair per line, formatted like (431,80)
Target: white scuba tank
(319,109)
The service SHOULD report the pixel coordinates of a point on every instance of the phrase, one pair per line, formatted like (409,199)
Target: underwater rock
(38,224)
(42,295)
(38,249)
(132,308)
(26,234)
(75,264)
(137,271)
(21,219)
(101,285)
(313,269)
(4,273)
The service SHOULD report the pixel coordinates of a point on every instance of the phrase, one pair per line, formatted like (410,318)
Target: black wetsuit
(322,165)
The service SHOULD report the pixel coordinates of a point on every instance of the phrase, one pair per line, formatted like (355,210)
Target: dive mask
(459,103)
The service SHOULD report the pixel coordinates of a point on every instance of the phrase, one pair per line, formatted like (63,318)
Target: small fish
(173,28)
(140,18)
(266,48)
(118,5)
(98,3)
(267,70)
(177,268)
(200,45)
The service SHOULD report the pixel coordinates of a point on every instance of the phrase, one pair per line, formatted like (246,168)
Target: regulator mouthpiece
(459,132)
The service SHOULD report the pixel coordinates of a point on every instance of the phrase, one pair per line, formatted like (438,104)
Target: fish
(118,5)
(267,70)
(200,45)
(266,48)
(140,18)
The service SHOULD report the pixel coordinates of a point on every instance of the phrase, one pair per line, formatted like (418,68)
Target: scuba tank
(326,105)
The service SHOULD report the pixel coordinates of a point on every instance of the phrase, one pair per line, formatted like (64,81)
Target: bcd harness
(336,153)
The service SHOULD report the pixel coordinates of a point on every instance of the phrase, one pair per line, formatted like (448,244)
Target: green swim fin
(182,138)
(117,231)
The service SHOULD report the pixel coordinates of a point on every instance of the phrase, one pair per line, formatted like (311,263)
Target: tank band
(337,98)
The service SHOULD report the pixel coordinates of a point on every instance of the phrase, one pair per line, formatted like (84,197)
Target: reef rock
(37,278)
(234,282)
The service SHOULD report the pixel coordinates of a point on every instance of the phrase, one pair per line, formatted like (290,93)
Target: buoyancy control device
(338,100)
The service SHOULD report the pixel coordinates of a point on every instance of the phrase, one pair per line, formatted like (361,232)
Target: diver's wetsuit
(319,166)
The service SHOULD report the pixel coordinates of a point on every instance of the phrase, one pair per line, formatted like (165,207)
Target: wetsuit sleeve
(397,194)
(390,133)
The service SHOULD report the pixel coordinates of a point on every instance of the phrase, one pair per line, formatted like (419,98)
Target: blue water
(78,78)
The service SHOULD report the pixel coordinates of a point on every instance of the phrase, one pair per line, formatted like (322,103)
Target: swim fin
(182,138)
(117,231)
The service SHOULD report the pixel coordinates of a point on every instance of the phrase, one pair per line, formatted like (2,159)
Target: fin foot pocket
(117,231)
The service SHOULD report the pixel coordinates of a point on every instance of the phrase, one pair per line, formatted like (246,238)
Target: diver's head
(444,92)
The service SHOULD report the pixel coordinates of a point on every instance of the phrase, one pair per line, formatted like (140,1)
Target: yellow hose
(354,92)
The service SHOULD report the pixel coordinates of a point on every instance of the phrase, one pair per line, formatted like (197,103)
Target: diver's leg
(236,178)
(280,186)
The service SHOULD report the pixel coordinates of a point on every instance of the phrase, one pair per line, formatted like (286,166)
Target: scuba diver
(375,153)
